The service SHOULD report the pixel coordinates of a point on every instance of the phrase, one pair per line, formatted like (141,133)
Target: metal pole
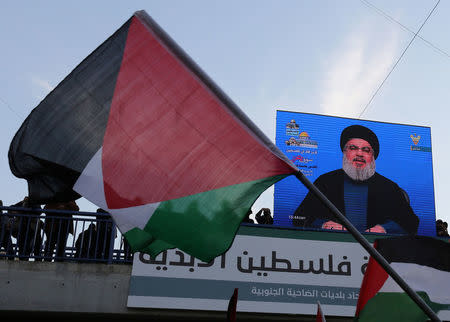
(368,247)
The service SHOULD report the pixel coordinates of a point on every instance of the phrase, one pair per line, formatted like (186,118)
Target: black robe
(386,201)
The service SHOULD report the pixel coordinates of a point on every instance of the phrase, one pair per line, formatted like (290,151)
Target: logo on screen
(299,158)
(303,140)
(415,138)
(292,128)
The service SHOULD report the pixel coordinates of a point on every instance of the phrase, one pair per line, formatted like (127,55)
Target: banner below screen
(276,271)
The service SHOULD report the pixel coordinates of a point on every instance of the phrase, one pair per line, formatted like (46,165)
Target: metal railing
(61,235)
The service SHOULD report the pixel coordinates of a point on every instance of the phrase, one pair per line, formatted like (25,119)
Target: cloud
(356,69)
(43,86)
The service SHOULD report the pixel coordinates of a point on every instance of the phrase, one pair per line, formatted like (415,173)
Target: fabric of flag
(232,304)
(424,264)
(320,317)
(141,131)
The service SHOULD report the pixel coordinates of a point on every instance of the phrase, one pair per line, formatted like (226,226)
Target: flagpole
(367,246)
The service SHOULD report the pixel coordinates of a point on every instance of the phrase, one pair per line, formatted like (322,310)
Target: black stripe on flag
(420,250)
(61,135)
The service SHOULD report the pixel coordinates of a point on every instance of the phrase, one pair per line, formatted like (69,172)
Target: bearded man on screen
(369,200)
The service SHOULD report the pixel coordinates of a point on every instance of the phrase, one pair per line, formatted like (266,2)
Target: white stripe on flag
(434,282)
(90,186)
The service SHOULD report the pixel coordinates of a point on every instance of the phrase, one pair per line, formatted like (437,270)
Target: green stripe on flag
(142,241)
(396,307)
(138,239)
(203,224)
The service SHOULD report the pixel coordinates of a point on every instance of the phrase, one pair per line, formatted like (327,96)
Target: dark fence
(61,235)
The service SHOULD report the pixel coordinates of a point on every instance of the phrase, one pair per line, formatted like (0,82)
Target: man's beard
(358,174)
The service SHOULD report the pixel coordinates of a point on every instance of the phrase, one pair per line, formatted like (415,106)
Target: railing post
(111,239)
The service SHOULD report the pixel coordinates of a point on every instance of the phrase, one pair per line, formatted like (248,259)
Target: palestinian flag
(424,264)
(319,316)
(141,131)
(232,304)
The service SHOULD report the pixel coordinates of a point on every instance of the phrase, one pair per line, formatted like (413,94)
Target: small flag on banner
(231,313)
(320,317)
(424,263)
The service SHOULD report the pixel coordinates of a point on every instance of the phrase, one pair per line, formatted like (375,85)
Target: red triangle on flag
(169,136)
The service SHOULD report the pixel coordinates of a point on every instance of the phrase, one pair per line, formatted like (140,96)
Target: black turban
(360,132)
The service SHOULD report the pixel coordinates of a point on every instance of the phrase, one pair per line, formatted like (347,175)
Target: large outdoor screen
(377,174)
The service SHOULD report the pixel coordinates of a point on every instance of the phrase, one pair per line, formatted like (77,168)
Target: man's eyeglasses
(364,149)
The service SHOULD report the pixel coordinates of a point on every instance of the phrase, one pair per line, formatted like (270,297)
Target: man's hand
(377,229)
(332,225)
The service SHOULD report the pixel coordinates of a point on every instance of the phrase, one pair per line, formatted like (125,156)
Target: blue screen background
(400,160)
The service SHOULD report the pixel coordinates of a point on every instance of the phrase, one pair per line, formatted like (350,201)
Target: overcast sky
(325,57)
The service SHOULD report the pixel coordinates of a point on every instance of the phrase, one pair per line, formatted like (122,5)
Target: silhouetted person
(57,229)
(441,228)
(5,234)
(127,252)
(263,217)
(105,233)
(247,218)
(85,244)
(27,227)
